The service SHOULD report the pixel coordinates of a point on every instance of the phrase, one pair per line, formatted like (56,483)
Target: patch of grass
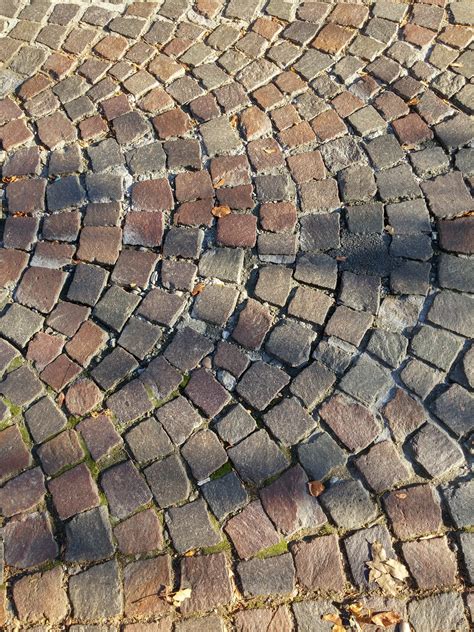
(217,548)
(271,551)
(222,471)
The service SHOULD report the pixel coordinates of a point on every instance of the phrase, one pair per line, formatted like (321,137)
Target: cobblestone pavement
(235,365)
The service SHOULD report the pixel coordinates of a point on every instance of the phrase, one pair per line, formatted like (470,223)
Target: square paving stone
(320,232)
(312,383)
(115,307)
(161,377)
(223,263)
(168,481)
(289,504)
(206,392)
(74,491)
(87,284)
(459,500)
(252,325)
(261,384)
(215,591)
(139,337)
(274,284)
(96,593)
(65,449)
(382,467)
(435,451)
(235,425)
(349,504)
(320,456)
(431,563)
(130,402)
(190,527)
(125,489)
(179,419)
(360,292)
(413,511)
(455,409)
(318,564)
(348,325)
(429,339)
(311,305)
(114,368)
(277,420)
(290,342)
(141,533)
(148,441)
(18,324)
(204,454)
(257,458)
(367,380)
(40,288)
(251,531)
(447,195)
(65,192)
(140,579)
(397,183)
(225,495)
(317,269)
(89,536)
(134,267)
(442,611)
(215,304)
(44,419)
(453,311)
(21,387)
(14,453)
(36,529)
(99,435)
(269,576)
(161,307)
(338,412)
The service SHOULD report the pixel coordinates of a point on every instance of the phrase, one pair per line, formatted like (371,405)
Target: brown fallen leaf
(220,211)
(219,183)
(414,101)
(389,574)
(315,488)
(270,150)
(60,399)
(341,258)
(336,620)
(19,214)
(385,619)
(197,289)
(8,179)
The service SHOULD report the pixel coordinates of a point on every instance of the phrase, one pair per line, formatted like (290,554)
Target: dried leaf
(385,619)
(180,596)
(8,179)
(19,214)
(60,399)
(198,288)
(220,211)
(341,258)
(401,495)
(315,488)
(456,65)
(389,574)
(190,553)
(107,412)
(332,618)
(414,101)
(234,120)
(219,183)
(270,150)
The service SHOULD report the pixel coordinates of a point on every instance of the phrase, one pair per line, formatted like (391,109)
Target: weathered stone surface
(97,592)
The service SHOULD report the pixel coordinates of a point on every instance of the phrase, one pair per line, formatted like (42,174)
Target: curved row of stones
(235,259)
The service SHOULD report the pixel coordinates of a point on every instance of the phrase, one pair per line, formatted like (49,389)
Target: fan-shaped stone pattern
(235,259)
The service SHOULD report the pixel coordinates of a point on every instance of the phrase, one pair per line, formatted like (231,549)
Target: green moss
(184,382)
(15,364)
(222,471)
(217,548)
(327,529)
(276,549)
(14,408)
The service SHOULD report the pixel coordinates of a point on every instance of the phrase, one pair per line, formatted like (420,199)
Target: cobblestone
(234,233)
